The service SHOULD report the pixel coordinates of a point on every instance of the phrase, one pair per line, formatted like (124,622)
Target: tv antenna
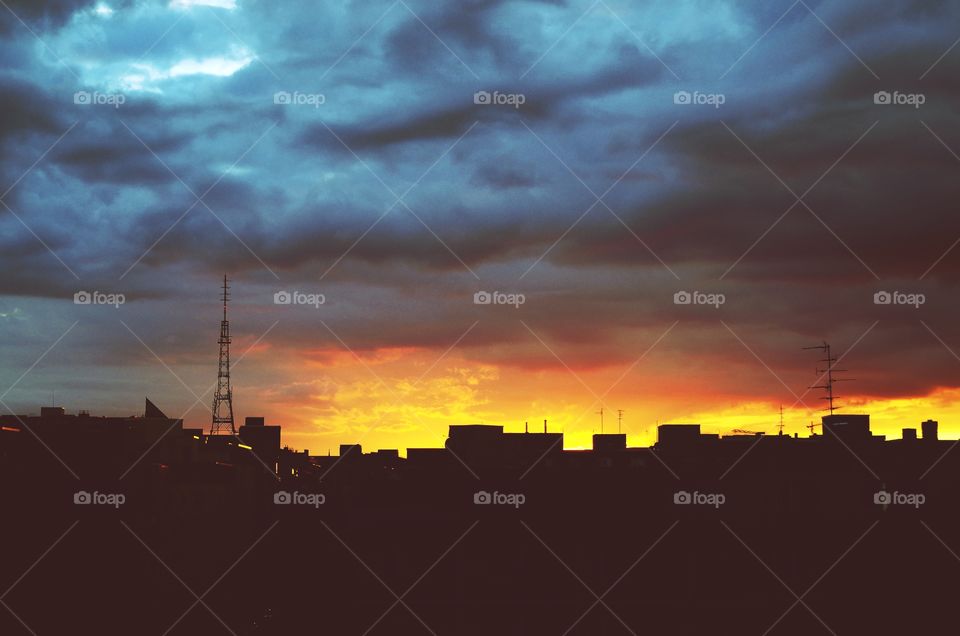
(600,413)
(780,425)
(827,386)
(619,419)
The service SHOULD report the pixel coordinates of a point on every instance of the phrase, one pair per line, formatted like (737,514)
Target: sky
(663,204)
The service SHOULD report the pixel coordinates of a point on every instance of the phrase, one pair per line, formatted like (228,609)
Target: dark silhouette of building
(496,532)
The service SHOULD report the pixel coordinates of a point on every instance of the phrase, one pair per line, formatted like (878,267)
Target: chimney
(544,426)
(909,434)
(929,430)
(526,427)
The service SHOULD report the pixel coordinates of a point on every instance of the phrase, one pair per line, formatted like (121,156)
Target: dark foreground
(598,546)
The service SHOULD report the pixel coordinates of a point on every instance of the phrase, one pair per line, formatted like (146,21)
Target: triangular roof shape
(151,410)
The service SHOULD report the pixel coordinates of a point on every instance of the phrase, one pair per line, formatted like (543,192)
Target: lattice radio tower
(223,398)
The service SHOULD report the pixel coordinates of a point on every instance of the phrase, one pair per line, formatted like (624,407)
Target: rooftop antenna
(526,427)
(780,426)
(601,419)
(223,398)
(828,372)
(619,419)
(544,426)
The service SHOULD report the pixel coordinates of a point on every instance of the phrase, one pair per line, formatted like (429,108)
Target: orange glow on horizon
(404,398)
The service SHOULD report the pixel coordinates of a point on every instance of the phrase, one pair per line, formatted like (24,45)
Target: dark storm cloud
(43,14)
(542,102)
(27,108)
(499,200)
(114,155)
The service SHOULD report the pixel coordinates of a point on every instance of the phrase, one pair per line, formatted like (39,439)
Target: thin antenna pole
(619,419)
(601,419)
(828,372)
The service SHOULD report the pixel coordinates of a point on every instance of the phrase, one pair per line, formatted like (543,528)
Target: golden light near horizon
(385,401)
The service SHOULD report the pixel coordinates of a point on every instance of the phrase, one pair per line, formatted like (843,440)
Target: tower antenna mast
(827,386)
(223,398)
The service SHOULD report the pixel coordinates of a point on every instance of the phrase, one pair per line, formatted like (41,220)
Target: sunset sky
(628,152)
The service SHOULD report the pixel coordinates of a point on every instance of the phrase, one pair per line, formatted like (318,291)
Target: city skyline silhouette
(482,317)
